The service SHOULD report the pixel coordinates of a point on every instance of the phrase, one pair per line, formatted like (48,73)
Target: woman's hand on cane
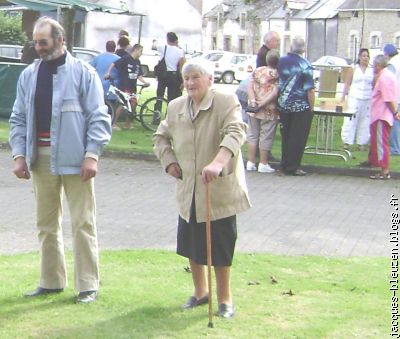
(214,168)
(211,172)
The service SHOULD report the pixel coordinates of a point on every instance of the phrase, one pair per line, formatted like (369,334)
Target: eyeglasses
(41,42)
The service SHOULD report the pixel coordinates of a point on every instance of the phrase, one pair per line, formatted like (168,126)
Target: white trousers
(81,201)
(356,129)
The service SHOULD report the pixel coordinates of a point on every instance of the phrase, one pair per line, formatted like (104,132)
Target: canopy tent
(56,5)
(69,7)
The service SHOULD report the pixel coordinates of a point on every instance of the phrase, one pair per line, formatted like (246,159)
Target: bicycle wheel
(152,112)
(111,110)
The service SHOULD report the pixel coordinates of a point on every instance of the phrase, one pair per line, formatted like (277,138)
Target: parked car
(85,54)
(224,64)
(13,53)
(328,62)
(243,69)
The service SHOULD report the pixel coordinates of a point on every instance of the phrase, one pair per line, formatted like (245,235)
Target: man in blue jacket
(59,126)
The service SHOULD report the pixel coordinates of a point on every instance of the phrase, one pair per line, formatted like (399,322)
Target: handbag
(160,70)
(252,109)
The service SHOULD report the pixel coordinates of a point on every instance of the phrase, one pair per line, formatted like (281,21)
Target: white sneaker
(251,166)
(265,168)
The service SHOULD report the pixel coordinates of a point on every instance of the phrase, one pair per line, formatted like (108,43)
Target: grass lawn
(142,290)
(140,140)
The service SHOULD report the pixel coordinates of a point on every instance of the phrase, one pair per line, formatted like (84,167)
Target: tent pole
(140,28)
(59,14)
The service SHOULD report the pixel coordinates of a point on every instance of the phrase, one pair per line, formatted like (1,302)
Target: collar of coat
(205,103)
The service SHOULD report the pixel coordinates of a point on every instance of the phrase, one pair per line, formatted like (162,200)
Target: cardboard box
(333,105)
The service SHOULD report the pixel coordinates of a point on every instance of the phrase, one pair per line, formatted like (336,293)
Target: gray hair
(272,58)
(57,30)
(298,45)
(204,67)
(380,60)
(269,36)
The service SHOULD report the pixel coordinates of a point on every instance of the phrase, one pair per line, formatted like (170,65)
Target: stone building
(237,25)
(372,26)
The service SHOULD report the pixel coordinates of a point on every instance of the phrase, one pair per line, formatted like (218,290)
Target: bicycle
(152,111)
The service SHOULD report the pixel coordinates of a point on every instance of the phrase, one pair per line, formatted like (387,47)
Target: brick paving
(320,214)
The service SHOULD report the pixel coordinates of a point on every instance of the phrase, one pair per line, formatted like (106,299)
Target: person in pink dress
(383,112)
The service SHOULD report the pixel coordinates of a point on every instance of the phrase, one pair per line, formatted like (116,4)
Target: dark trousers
(173,84)
(295,128)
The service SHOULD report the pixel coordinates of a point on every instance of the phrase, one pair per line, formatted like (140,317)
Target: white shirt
(172,56)
(361,85)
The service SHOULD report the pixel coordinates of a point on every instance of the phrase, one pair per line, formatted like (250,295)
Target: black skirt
(192,242)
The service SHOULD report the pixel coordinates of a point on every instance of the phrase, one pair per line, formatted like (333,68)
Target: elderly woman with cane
(199,144)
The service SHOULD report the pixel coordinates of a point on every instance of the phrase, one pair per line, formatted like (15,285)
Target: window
(375,39)
(227,43)
(353,47)
(242,20)
(214,42)
(241,45)
(11,51)
(397,39)
(220,20)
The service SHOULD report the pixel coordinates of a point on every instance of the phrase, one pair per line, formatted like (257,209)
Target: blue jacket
(80,122)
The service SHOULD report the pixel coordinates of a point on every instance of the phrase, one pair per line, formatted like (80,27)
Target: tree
(11,29)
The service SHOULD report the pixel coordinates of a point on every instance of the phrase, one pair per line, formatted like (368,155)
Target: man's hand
(397,116)
(21,168)
(174,170)
(88,169)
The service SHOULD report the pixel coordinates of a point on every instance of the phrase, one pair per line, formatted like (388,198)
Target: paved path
(317,214)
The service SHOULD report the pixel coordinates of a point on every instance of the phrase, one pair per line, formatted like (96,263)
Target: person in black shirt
(271,41)
(124,46)
(129,70)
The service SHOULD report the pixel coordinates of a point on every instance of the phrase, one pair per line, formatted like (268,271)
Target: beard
(52,52)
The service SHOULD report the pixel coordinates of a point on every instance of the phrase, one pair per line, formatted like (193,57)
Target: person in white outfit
(358,87)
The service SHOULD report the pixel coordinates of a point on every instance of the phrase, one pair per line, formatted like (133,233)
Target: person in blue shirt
(101,63)
(296,105)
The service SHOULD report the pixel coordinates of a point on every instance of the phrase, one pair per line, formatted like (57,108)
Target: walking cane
(209,262)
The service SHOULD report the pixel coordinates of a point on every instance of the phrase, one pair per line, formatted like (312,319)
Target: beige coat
(193,144)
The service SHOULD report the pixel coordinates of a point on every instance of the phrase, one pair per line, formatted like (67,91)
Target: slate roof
(261,9)
(371,4)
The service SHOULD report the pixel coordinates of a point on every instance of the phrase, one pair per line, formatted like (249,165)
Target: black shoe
(42,291)
(86,297)
(299,173)
(194,302)
(225,311)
